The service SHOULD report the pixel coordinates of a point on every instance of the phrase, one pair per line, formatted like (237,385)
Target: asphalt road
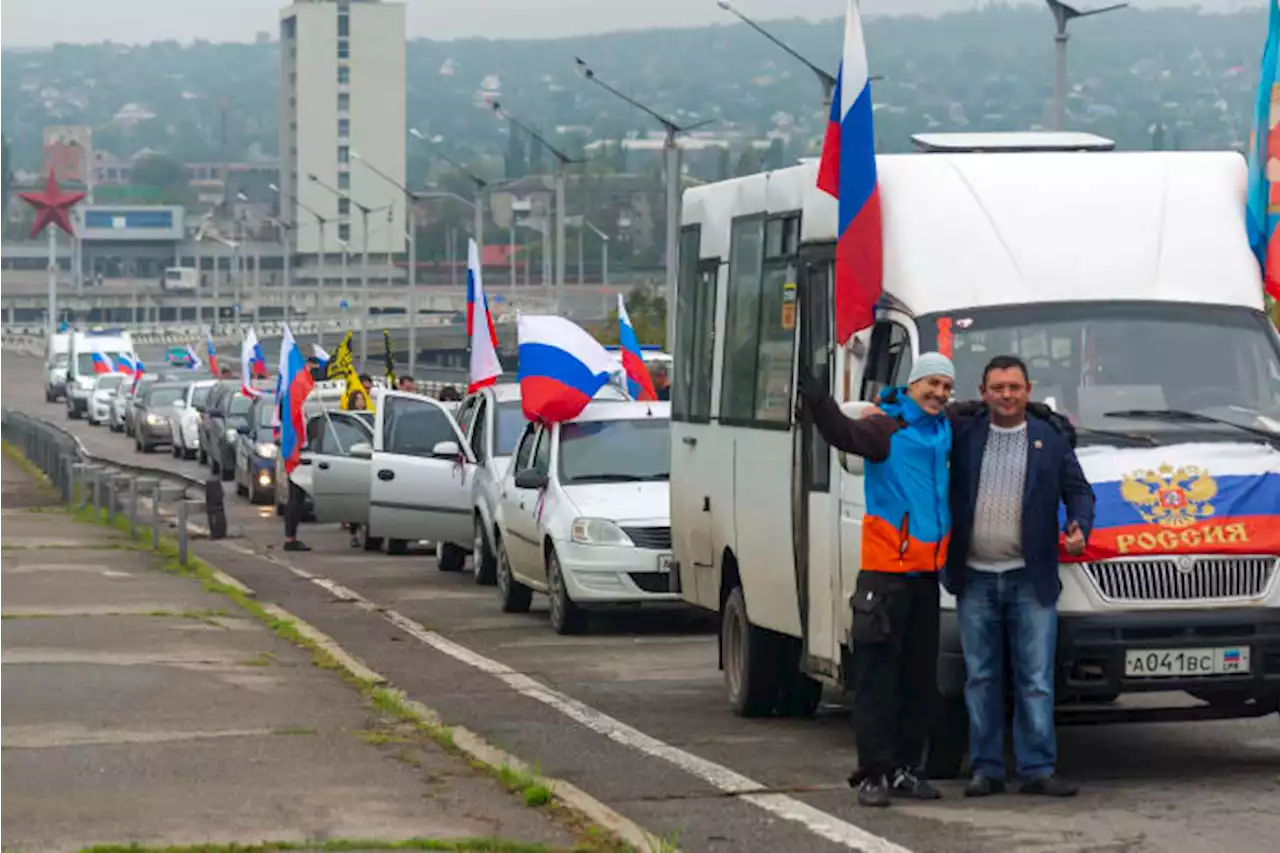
(634,712)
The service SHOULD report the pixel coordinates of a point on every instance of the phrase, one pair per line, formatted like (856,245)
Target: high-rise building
(342,91)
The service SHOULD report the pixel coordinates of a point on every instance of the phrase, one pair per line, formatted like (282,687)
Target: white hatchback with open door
(339,447)
(420,477)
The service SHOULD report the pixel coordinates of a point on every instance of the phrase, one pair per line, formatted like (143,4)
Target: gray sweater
(997,523)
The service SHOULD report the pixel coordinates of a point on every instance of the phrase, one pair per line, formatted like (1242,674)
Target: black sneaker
(873,792)
(907,784)
(1049,786)
(983,786)
(297,545)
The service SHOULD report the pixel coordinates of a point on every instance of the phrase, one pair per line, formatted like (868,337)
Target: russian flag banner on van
(102,363)
(1185,499)
(561,368)
(125,364)
(213,352)
(847,171)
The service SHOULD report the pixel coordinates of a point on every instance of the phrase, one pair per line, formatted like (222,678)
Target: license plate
(1186,663)
(664,563)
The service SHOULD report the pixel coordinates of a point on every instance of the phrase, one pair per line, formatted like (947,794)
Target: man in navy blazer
(1009,475)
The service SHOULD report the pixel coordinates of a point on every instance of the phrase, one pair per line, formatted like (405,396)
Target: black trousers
(895,635)
(293,511)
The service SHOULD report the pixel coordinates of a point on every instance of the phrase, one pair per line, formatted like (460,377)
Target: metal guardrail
(106,484)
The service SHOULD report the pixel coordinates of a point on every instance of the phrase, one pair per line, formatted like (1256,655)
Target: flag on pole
(320,355)
(639,382)
(389,359)
(138,370)
(561,368)
(102,363)
(125,364)
(193,360)
(1263,206)
(213,352)
(847,171)
(483,335)
(252,363)
(295,385)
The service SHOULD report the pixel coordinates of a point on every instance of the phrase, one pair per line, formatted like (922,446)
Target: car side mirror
(446,450)
(360,450)
(530,478)
(243,429)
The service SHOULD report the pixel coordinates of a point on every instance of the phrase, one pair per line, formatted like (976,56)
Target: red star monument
(53,206)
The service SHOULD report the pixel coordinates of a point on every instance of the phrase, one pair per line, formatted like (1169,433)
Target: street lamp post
(1062,15)
(365,210)
(604,255)
(200,232)
(283,229)
(480,183)
(828,82)
(671,151)
(562,161)
(409,197)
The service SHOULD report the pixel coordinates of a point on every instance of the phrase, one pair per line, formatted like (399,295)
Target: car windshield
(240,405)
(1095,361)
(615,451)
(84,363)
(510,424)
(163,396)
(110,382)
(200,394)
(266,410)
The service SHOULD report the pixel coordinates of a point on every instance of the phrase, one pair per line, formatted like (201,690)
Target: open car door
(339,479)
(420,478)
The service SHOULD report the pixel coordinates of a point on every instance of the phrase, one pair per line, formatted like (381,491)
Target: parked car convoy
(185,425)
(330,434)
(106,387)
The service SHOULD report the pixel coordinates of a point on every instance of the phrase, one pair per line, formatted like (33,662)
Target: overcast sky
(43,22)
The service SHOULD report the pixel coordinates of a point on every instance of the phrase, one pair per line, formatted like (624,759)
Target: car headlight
(157,420)
(598,531)
(232,433)
(266,451)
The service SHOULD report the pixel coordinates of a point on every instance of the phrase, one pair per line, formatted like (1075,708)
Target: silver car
(152,414)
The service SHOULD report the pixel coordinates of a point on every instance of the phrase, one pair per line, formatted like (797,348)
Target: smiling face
(931,393)
(1006,391)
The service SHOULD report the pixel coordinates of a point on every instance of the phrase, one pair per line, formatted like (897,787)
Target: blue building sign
(132,222)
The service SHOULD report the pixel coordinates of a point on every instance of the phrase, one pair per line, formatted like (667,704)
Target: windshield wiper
(1183,416)
(1133,437)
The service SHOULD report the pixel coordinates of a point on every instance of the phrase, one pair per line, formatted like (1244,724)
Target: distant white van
(180,279)
(80,375)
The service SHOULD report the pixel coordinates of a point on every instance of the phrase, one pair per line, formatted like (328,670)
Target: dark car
(152,409)
(225,411)
(256,452)
(133,403)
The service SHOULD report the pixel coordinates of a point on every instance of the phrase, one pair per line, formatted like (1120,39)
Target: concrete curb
(349,662)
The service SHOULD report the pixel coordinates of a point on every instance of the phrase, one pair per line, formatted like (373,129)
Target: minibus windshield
(1168,370)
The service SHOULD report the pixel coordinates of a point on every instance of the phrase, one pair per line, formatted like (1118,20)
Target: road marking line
(820,823)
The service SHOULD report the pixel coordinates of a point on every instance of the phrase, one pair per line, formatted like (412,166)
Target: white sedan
(585,514)
(184,426)
(105,388)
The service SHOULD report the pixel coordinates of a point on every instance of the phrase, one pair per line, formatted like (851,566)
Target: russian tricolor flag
(102,363)
(213,352)
(848,172)
(483,337)
(639,382)
(138,370)
(252,363)
(1263,206)
(561,368)
(296,383)
(125,365)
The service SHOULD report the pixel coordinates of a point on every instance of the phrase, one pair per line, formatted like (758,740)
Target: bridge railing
(117,491)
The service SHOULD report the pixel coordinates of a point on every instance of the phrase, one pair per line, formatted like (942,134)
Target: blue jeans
(995,607)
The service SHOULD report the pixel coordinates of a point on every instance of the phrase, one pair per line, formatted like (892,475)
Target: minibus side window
(742,321)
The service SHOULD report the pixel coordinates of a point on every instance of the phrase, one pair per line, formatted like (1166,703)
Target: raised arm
(866,437)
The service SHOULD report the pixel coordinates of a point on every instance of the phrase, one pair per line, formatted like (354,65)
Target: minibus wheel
(751,658)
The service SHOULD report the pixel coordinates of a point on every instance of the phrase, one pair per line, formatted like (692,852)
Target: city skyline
(29,23)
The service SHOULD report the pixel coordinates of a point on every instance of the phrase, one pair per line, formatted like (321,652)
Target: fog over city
(33,23)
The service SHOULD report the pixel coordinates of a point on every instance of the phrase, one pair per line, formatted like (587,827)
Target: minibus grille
(654,538)
(1183,578)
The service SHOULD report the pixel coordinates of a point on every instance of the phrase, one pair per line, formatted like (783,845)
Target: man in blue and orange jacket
(906,444)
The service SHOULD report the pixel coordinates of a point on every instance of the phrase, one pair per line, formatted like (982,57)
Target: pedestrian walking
(1009,476)
(293,517)
(906,442)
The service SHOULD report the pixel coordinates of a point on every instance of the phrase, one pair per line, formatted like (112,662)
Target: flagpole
(52,324)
